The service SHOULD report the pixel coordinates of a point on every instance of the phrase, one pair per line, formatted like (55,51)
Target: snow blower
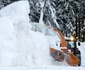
(69,51)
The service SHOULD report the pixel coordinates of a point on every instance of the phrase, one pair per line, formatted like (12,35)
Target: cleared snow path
(42,68)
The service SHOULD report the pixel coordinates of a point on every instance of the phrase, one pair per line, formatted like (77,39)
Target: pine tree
(34,10)
(65,13)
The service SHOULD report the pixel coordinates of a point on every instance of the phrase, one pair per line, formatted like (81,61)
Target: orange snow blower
(69,51)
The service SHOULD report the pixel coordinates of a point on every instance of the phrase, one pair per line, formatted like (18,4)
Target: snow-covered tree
(34,10)
(66,10)
(62,14)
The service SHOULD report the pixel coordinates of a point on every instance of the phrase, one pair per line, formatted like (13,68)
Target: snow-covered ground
(42,68)
(25,45)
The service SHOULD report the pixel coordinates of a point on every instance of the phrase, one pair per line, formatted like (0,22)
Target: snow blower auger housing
(69,51)
(57,55)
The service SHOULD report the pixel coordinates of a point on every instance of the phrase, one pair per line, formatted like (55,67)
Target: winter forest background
(66,15)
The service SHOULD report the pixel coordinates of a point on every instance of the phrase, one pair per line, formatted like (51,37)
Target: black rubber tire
(79,62)
(78,55)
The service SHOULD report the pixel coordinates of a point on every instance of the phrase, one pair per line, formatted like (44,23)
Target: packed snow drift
(23,43)
(25,46)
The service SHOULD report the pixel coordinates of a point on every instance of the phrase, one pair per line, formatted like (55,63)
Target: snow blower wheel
(78,55)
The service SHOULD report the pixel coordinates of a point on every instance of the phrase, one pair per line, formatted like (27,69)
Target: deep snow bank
(28,47)
(13,19)
(17,12)
(6,28)
(7,44)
